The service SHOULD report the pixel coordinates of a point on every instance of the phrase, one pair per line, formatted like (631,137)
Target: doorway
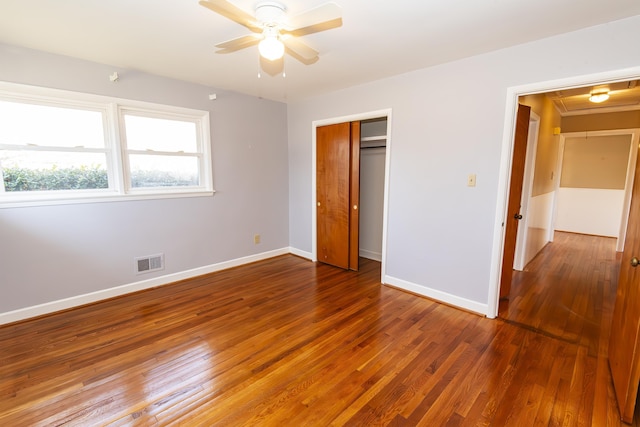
(621,347)
(366,118)
(593,179)
(513,94)
(590,194)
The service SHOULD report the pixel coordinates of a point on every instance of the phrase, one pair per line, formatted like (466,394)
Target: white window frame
(113,111)
(126,151)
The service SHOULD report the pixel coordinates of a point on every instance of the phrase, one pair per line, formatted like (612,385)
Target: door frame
(351,118)
(513,93)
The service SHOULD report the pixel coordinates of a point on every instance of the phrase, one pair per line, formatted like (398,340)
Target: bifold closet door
(337,192)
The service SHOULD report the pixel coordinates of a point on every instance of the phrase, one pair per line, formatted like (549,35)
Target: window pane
(146,133)
(46,126)
(46,171)
(163,171)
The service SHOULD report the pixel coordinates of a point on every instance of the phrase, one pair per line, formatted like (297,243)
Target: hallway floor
(567,292)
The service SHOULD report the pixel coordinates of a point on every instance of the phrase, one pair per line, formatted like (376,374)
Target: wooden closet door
(338,194)
(333,167)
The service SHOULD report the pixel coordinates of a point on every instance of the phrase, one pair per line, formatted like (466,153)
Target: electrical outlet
(256,239)
(471,180)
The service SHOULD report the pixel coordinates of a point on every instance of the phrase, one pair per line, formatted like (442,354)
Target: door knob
(518,216)
(635,262)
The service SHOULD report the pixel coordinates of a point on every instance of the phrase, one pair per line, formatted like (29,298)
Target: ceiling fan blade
(238,43)
(232,12)
(321,18)
(315,28)
(301,59)
(300,50)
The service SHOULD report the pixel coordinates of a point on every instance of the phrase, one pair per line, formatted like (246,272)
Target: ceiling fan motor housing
(270,13)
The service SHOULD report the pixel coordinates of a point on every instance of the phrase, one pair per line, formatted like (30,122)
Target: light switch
(471,180)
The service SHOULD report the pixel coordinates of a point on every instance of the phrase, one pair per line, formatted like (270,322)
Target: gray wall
(447,122)
(53,252)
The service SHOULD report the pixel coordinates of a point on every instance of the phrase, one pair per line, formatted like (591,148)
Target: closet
(373,150)
(350,159)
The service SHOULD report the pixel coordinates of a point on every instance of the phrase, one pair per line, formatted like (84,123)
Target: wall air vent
(149,263)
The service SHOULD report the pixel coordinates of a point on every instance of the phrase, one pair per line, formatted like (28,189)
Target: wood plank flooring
(568,290)
(286,342)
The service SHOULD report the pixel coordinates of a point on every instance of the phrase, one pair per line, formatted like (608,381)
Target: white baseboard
(66,303)
(302,254)
(440,296)
(75,301)
(376,256)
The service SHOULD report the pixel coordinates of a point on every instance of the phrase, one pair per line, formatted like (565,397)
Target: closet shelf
(373,138)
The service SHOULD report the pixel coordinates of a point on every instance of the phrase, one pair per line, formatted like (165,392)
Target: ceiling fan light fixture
(599,96)
(276,33)
(271,47)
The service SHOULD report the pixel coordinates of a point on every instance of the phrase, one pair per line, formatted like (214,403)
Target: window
(161,152)
(51,148)
(78,147)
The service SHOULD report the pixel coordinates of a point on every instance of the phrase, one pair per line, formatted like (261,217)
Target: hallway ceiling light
(598,96)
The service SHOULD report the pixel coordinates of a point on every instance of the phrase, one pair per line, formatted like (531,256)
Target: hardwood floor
(286,342)
(568,290)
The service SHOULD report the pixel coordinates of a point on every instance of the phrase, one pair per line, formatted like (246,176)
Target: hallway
(567,292)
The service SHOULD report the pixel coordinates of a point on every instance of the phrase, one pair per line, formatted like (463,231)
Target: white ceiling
(379,38)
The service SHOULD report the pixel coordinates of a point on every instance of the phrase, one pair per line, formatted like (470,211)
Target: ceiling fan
(273,31)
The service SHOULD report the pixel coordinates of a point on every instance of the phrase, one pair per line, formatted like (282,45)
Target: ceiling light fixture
(271,47)
(598,96)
